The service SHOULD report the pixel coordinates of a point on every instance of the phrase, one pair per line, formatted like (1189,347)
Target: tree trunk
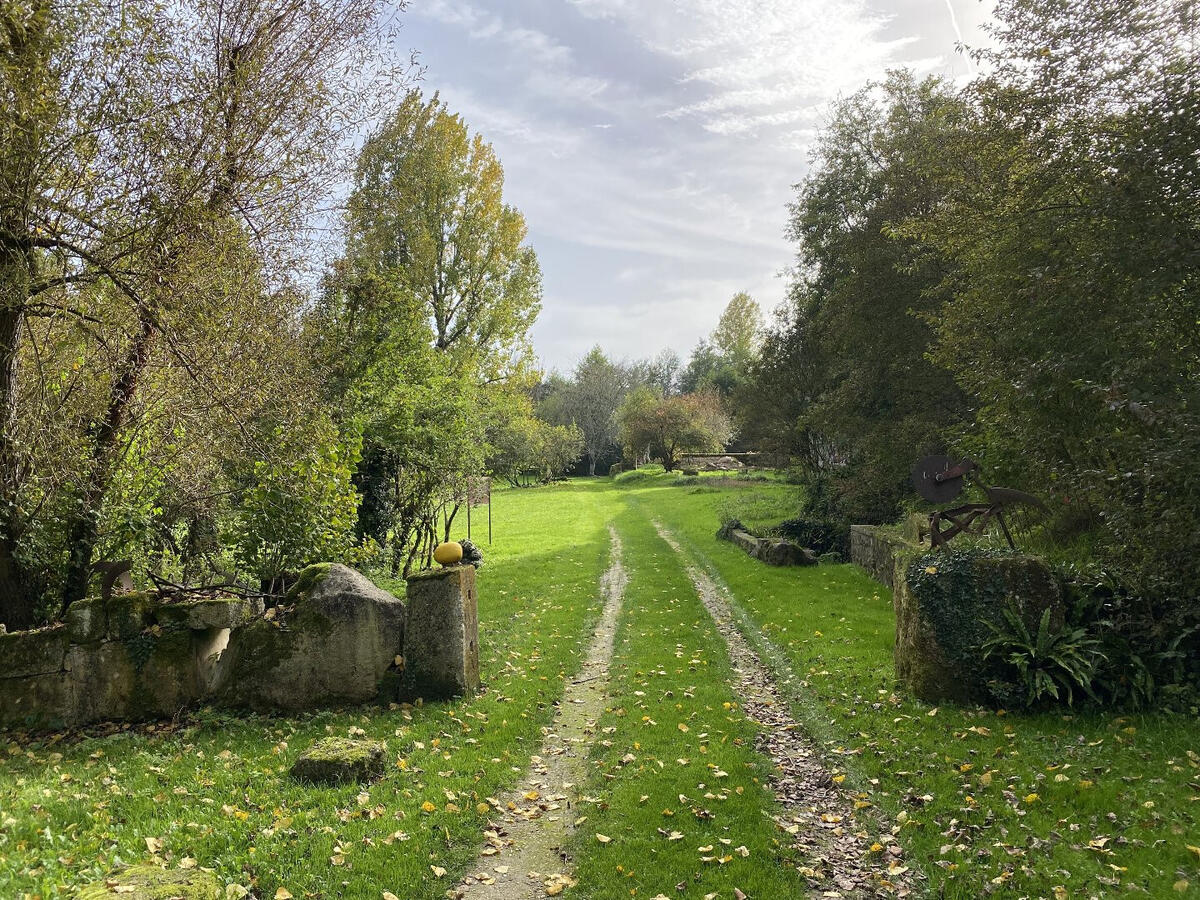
(16,596)
(83,530)
(591,464)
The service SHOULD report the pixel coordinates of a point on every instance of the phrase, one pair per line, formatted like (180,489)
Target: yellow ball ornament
(448,553)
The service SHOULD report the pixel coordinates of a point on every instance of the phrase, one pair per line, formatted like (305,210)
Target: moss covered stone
(309,578)
(39,652)
(210,612)
(87,621)
(152,883)
(335,760)
(944,602)
(130,614)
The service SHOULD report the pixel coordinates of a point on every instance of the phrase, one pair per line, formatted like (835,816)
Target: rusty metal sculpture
(939,479)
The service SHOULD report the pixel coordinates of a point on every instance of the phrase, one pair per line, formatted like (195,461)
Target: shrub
(1051,664)
(819,534)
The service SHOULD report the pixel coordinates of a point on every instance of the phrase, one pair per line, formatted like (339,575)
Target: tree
(670,427)
(591,400)
(722,361)
(145,151)
(851,349)
(738,334)
(428,214)
(1071,240)
(423,325)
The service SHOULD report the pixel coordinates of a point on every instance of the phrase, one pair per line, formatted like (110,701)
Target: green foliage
(818,534)
(722,361)
(300,508)
(844,383)
(666,428)
(1049,664)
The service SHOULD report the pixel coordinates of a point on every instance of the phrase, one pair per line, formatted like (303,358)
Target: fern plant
(1049,663)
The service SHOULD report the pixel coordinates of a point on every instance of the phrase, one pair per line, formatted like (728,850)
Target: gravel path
(523,856)
(845,858)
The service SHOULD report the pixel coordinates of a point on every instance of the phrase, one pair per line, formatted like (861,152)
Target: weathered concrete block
(33,652)
(441,635)
(153,883)
(876,548)
(130,614)
(87,621)
(332,647)
(215,612)
(334,760)
(37,701)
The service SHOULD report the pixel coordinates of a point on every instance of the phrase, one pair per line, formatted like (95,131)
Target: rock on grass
(334,760)
(153,883)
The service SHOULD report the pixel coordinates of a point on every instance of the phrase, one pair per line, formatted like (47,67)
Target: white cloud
(652,145)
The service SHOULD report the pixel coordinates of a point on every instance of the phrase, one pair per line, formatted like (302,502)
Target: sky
(653,145)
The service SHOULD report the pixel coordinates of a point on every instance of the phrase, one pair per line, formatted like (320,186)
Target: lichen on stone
(334,760)
(153,883)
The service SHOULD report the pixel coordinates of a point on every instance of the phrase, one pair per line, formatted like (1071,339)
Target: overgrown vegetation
(1007,271)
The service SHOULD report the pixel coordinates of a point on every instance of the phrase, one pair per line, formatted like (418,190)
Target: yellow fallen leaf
(1031,798)
(187,863)
(603,838)
(553,890)
(154,845)
(388,895)
(1181,885)
(428,807)
(438,871)
(283,894)
(683,727)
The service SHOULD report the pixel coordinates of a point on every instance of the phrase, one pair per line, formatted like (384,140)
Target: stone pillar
(441,634)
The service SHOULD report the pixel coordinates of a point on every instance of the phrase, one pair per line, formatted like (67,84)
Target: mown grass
(1007,804)
(677,787)
(216,789)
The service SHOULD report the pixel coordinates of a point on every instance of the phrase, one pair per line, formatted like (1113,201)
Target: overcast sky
(653,144)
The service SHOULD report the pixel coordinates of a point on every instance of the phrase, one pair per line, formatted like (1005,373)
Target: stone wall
(943,602)
(138,656)
(876,549)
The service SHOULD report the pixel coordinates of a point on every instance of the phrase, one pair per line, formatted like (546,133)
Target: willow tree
(149,151)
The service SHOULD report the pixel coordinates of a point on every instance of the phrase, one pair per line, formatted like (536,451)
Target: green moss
(32,652)
(129,614)
(152,883)
(337,759)
(309,578)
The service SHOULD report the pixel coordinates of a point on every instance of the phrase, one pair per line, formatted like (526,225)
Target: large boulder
(780,552)
(332,643)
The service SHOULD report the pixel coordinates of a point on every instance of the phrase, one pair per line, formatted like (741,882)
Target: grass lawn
(217,791)
(1004,804)
(1007,805)
(678,791)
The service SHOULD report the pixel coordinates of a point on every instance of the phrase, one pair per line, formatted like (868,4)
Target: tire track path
(819,814)
(524,857)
